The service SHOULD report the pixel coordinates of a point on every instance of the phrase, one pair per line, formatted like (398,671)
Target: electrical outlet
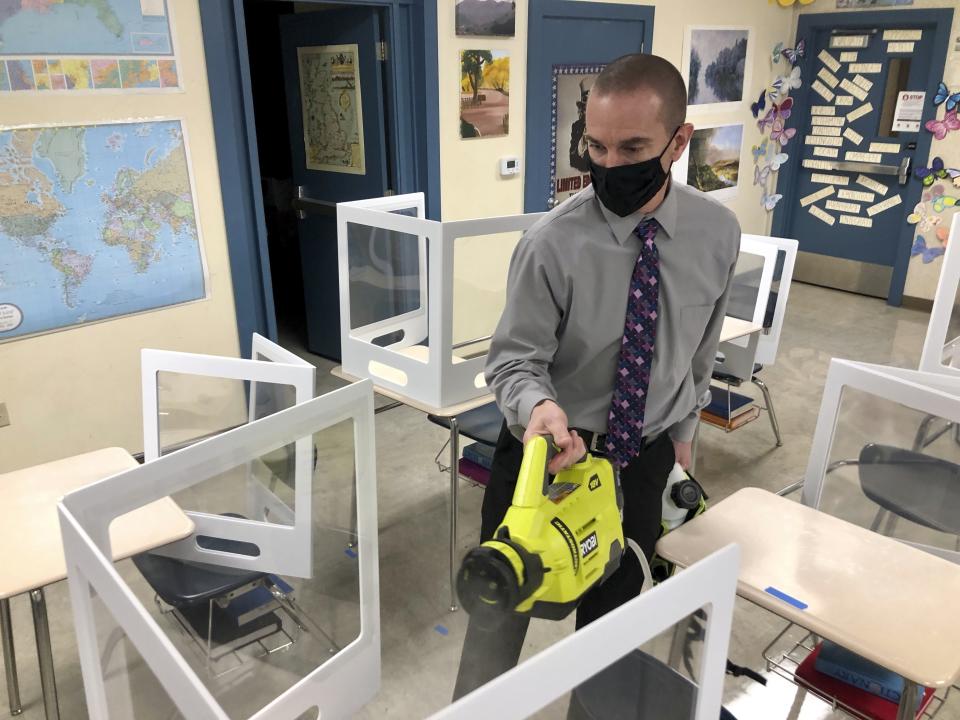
(4,415)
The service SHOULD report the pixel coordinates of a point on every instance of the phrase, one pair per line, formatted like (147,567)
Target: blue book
(840,663)
(719,403)
(480,454)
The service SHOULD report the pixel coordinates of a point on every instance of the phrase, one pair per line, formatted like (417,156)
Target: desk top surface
(734,328)
(882,599)
(30,528)
(449,411)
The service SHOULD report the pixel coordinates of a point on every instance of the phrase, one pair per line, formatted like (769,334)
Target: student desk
(882,599)
(33,551)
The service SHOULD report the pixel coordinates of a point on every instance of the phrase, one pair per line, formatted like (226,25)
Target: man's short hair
(648,72)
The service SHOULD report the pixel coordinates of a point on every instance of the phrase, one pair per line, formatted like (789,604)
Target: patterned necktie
(625,421)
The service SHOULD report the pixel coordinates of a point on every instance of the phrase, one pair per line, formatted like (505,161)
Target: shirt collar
(665,214)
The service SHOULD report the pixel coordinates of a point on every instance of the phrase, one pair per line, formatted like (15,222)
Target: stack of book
(476,461)
(729,410)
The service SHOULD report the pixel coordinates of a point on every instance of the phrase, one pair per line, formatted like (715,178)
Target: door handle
(904,173)
(305,205)
(862,167)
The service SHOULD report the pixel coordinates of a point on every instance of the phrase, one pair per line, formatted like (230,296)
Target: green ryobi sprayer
(557,540)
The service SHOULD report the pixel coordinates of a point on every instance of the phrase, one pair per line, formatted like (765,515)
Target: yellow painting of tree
(484,93)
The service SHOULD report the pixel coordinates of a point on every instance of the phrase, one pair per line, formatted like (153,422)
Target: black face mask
(625,189)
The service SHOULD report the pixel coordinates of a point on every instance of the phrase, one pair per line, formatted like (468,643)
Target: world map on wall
(98,27)
(96,221)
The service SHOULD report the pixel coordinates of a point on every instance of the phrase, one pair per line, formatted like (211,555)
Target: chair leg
(878,518)
(768,401)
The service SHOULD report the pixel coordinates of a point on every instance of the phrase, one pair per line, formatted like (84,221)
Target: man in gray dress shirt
(554,356)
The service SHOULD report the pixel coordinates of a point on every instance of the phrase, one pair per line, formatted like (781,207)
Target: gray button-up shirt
(560,333)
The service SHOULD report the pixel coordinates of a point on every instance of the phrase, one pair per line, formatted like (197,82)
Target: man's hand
(548,419)
(684,453)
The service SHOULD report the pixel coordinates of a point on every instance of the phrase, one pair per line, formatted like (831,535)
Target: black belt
(597,442)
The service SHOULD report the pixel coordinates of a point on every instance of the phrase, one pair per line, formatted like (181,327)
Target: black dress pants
(487,654)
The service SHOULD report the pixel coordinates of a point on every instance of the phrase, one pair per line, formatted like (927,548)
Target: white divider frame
(710,583)
(769,341)
(438,381)
(941,354)
(286,549)
(342,684)
(928,393)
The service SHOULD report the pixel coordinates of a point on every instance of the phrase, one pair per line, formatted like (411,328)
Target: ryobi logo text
(571,542)
(588,544)
(594,482)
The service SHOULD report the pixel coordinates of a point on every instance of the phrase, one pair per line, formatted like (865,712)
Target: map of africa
(96,221)
(90,27)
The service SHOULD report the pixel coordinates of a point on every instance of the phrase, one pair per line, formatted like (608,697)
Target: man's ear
(680,141)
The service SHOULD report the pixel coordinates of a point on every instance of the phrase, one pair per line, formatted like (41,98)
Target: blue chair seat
(481,424)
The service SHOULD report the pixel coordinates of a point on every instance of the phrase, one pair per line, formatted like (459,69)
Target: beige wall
(77,390)
(922,277)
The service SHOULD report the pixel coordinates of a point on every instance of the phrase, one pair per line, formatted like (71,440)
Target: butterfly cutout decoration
(776,87)
(777,50)
(777,112)
(793,55)
(759,151)
(769,202)
(931,174)
(761,103)
(940,128)
(922,218)
(942,235)
(778,160)
(942,202)
(780,133)
(944,97)
(935,192)
(929,253)
(760,174)
(791,81)
(767,120)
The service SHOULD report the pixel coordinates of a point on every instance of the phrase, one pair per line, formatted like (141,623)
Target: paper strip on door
(822,140)
(850,57)
(818,195)
(822,90)
(845,100)
(817,164)
(821,215)
(879,147)
(900,47)
(902,35)
(849,41)
(828,152)
(853,136)
(861,81)
(830,179)
(871,184)
(827,120)
(866,68)
(828,77)
(857,221)
(856,195)
(863,157)
(843,206)
(859,112)
(825,130)
(890,202)
(823,110)
(829,60)
(857,92)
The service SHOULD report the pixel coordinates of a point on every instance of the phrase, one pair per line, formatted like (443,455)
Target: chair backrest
(752,280)
(941,347)
(865,408)
(577,658)
(776,308)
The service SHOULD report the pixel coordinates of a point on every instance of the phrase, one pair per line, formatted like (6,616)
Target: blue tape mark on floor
(350,553)
(786,598)
(442,630)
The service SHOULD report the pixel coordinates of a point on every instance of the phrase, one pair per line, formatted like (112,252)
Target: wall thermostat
(509,166)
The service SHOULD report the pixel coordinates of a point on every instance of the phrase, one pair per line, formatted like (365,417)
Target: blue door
(569,42)
(849,184)
(335,106)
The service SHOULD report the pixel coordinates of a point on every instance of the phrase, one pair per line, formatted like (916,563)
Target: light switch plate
(4,415)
